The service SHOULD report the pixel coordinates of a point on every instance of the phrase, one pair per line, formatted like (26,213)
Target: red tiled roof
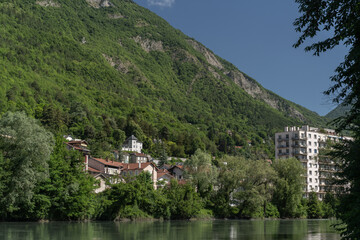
(159,175)
(163,171)
(178,166)
(77,147)
(109,162)
(90,169)
(134,166)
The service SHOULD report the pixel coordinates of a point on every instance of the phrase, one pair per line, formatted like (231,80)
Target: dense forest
(102,72)
(42,180)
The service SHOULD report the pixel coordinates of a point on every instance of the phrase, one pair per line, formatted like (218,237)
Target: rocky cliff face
(250,86)
(258,92)
(99,3)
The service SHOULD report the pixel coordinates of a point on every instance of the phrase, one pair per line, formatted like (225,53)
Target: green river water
(187,230)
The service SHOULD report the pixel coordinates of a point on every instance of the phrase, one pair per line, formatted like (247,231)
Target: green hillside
(103,70)
(339,111)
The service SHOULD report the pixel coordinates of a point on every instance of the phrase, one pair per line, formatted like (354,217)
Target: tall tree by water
(342,19)
(288,187)
(26,149)
(201,172)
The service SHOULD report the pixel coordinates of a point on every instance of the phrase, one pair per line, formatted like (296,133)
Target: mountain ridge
(103,70)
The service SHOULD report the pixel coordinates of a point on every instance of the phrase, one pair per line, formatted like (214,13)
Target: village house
(100,177)
(132,144)
(138,158)
(134,169)
(163,177)
(110,169)
(177,171)
(81,146)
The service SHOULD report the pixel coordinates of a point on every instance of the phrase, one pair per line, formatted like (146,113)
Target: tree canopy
(341,18)
(26,149)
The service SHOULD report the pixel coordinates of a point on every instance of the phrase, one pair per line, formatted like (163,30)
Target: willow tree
(201,173)
(341,18)
(26,149)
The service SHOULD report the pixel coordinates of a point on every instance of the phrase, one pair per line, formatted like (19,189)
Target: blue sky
(257,37)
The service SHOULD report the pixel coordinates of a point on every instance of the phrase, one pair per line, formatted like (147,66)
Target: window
(310,172)
(310,179)
(287,150)
(315,143)
(310,165)
(315,165)
(309,143)
(315,136)
(302,135)
(309,150)
(280,151)
(316,180)
(315,150)
(316,172)
(309,135)
(316,188)
(287,136)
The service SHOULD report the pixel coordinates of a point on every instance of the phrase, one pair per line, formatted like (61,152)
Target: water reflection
(232,229)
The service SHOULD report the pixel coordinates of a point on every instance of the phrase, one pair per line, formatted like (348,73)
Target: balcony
(282,146)
(300,153)
(298,138)
(283,154)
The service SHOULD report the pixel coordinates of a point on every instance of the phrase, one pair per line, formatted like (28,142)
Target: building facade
(304,144)
(132,144)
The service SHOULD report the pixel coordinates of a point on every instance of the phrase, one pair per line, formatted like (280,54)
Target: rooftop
(132,137)
(135,166)
(109,162)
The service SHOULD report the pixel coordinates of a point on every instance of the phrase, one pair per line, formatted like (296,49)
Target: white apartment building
(304,143)
(132,144)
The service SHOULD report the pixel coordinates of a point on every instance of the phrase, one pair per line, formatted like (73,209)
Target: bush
(271,211)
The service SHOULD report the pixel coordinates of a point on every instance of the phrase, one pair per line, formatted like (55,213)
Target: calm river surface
(218,229)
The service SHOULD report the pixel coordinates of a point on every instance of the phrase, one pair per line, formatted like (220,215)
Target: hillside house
(134,169)
(107,167)
(163,177)
(101,179)
(81,146)
(138,158)
(132,144)
(177,171)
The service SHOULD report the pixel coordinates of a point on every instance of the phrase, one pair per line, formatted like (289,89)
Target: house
(101,179)
(105,166)
(134,169)
(163,177)
(81,146)
(132,144)
(138,158)
(177,171)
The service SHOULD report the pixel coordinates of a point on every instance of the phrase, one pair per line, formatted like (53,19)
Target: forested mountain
(102,70)
(339,111)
